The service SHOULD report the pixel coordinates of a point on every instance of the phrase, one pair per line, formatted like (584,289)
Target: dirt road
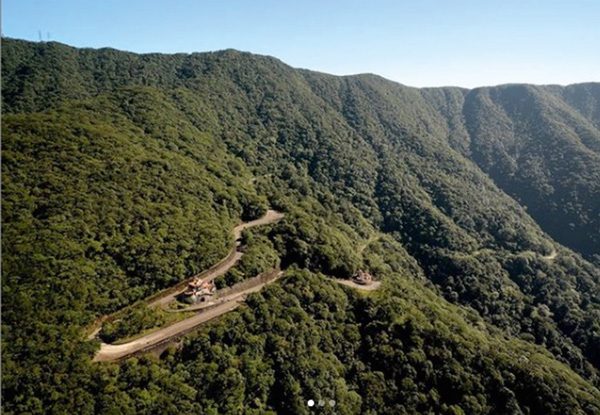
(230,297)
(110,352)
(229,262)
(168,295)
(271,216)
(550,257)
(371,287)
(221,269)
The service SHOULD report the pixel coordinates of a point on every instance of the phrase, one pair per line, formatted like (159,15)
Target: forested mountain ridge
(530,140)
(110,159)
(553,170)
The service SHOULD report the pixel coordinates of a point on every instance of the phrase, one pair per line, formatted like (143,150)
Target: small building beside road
(199,290)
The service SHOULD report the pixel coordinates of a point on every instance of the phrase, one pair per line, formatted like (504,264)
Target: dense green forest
(479,210)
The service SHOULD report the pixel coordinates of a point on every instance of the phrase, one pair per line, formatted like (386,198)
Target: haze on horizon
(432,43)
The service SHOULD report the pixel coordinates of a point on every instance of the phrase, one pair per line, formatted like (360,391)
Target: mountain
(477,209)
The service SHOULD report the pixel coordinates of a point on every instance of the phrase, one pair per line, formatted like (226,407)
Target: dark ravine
(124,174)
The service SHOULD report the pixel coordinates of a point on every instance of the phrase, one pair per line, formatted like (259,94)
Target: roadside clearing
(371,287)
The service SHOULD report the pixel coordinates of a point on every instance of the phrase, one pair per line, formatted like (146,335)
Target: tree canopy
(479,210)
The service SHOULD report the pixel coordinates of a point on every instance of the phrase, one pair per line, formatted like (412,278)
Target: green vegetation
(318,243)
(554,171)
(136,321)
(122,174)
(259,256)
(405,351)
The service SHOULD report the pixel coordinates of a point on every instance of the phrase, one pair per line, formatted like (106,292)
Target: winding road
(207,312)
(226,263)
(550,257)
(110,352)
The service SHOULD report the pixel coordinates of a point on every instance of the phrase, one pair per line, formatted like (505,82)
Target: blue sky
(417,42)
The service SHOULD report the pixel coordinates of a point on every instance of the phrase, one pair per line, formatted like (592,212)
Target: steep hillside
(540,145)
(544,153)
(123,174)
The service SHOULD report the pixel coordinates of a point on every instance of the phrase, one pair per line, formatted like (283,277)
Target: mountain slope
(122,174)
(545,154)
(539,144)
